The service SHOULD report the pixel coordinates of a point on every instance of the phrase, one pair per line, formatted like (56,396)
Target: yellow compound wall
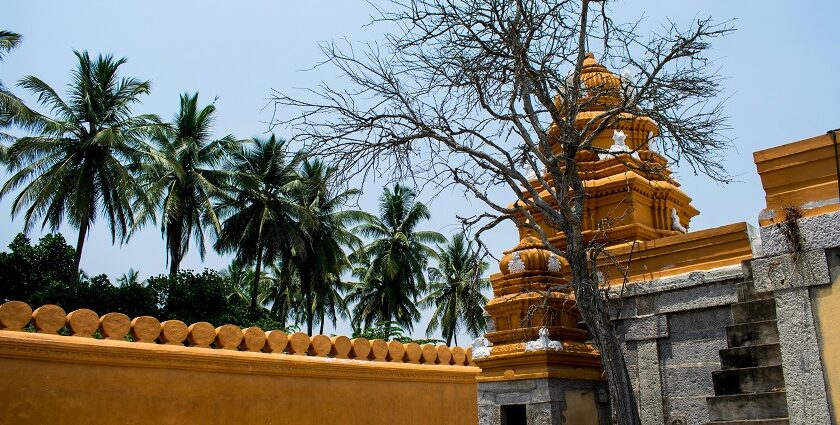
(55,379)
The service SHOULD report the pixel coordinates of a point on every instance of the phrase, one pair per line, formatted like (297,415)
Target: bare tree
(473,92)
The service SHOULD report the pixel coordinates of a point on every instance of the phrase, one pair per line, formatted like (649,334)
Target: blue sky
(781,66)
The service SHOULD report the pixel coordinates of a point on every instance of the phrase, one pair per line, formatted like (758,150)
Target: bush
(206,297)
(43,274)
(33,273)
(391,331)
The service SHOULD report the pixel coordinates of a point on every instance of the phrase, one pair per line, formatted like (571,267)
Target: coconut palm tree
(240,278)
(330,302)
(182,171)
(394,262)
(131,277)
(8,41)
(261,220)
(322,259)
(12,109)
(74,169)
(455,291)
(282,295)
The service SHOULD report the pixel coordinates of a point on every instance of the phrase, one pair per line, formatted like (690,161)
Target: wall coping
(682,281)
(117,329)
(25,345)
(801,174)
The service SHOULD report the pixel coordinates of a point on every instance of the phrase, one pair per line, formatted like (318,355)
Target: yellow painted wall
(827,312)
(51,379)
(580,406)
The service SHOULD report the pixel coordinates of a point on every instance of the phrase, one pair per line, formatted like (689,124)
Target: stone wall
(547,401)
(170,373)
(673,329)
(804,280)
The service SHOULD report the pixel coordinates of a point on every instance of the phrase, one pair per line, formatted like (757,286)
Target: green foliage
(73,170)
(43,274)
(30,273)
(456,286)
(281,294)
(181,172)
(205,297)
(196,297)
(8,41)
(319,262)
(261,220)
(391,268)
(390,331)
(12,109)
(137,299)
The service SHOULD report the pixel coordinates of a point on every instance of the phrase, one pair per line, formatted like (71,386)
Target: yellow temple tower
(535,339)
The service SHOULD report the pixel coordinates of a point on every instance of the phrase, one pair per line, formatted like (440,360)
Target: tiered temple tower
(631,199)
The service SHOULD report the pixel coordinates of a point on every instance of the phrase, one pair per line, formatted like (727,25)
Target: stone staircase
(750,388)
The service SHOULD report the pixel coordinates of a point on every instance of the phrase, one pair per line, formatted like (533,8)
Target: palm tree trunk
(322,324)
(306,286)
(175,255)
(456,340)
(386,317)
(255,286)
(80,243)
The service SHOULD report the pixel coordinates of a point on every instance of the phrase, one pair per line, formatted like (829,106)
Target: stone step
(747,334)
(746,292)
(752,422)
(754,311)
(751,356)
(748,380)
(770,405)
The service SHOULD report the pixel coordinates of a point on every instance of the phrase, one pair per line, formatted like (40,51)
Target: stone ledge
(685,280)
(818,232)
(645,328)
(780,272)
(712,294)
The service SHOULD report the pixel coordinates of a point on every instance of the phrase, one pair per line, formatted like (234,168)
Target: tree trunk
(322,324)
(174,235)
(80,243)
(255,286)
(306,287)
(309,313)
(597,319)
(386,314)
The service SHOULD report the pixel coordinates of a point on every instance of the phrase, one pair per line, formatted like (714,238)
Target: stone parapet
(817,232)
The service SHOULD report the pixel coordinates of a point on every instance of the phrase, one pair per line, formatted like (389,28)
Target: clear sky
(782,67)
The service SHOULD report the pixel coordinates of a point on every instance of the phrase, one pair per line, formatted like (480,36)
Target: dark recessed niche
(514,414)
